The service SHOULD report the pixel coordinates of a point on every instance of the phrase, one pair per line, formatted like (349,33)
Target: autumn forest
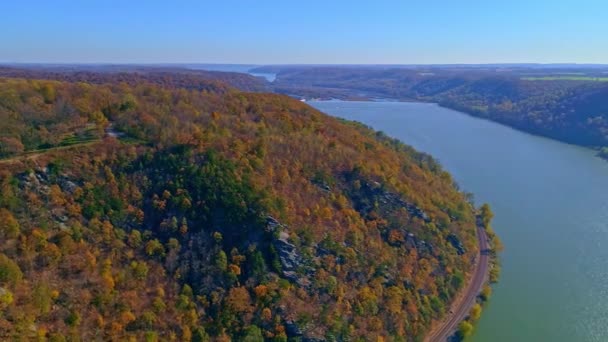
(185,207)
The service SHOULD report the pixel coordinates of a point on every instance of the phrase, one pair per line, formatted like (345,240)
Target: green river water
(551,211)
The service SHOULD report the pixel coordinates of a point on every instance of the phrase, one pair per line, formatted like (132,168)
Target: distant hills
(563,101)
(568,103)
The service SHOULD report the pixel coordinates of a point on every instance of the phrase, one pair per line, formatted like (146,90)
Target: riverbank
(465,310)
(472,294)
(601,151)
(550,204)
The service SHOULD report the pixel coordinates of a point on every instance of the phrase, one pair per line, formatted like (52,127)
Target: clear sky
(298,31)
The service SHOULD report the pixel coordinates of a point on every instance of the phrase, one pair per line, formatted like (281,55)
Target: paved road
(461,309)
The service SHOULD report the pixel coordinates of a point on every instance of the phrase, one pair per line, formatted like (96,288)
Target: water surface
(242,68)
(551,211)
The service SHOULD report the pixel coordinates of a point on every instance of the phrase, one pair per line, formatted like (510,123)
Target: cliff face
(216,215)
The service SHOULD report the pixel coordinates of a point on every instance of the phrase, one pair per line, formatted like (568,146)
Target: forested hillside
(133,75)
(571,109)
(147,210)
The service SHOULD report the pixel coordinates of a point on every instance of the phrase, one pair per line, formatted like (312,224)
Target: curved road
(36,153)
(461,307)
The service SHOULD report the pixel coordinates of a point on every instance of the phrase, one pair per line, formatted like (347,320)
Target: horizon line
(306,64)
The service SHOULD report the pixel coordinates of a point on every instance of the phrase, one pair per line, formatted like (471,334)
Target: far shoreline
(595,149)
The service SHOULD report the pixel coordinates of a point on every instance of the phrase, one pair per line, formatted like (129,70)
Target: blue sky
(265,32)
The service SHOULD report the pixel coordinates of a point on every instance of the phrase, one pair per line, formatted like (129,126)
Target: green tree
(486,292)
(187,291)
(41,297)
(6,297)
(48,93)
(221,260)
(200,335)
(9,227)
(9,271)
(155,247)
(475,312)
(258,266)
(151,336)
(56,337)
(253,334)
(73,319)
(465,329)
(486,215)
(140,269)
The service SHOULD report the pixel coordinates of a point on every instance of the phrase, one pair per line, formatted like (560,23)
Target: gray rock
(69,186)
(388,201)
(292,329)
(456,243)
(273,225)
(292,263)
(289,257)
(411,241)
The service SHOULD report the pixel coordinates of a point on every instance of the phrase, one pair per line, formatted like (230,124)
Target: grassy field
(87,135)
(36,153)
(566,78)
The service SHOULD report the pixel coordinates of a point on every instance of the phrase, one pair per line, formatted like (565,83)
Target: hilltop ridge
(217,214)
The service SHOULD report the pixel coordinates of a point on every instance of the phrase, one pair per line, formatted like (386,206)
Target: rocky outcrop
(416,212)
(36,181)
(456,243)
(395,200)
(273,225)
(288,255)
(292,263)
(411,241)
(293,329)
(298,332)
(322,185)
(372,194)
(40,181)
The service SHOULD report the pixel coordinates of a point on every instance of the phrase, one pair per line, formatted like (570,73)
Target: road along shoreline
(460,307)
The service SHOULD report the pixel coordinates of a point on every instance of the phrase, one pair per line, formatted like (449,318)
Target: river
(550,202)
(240,68)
